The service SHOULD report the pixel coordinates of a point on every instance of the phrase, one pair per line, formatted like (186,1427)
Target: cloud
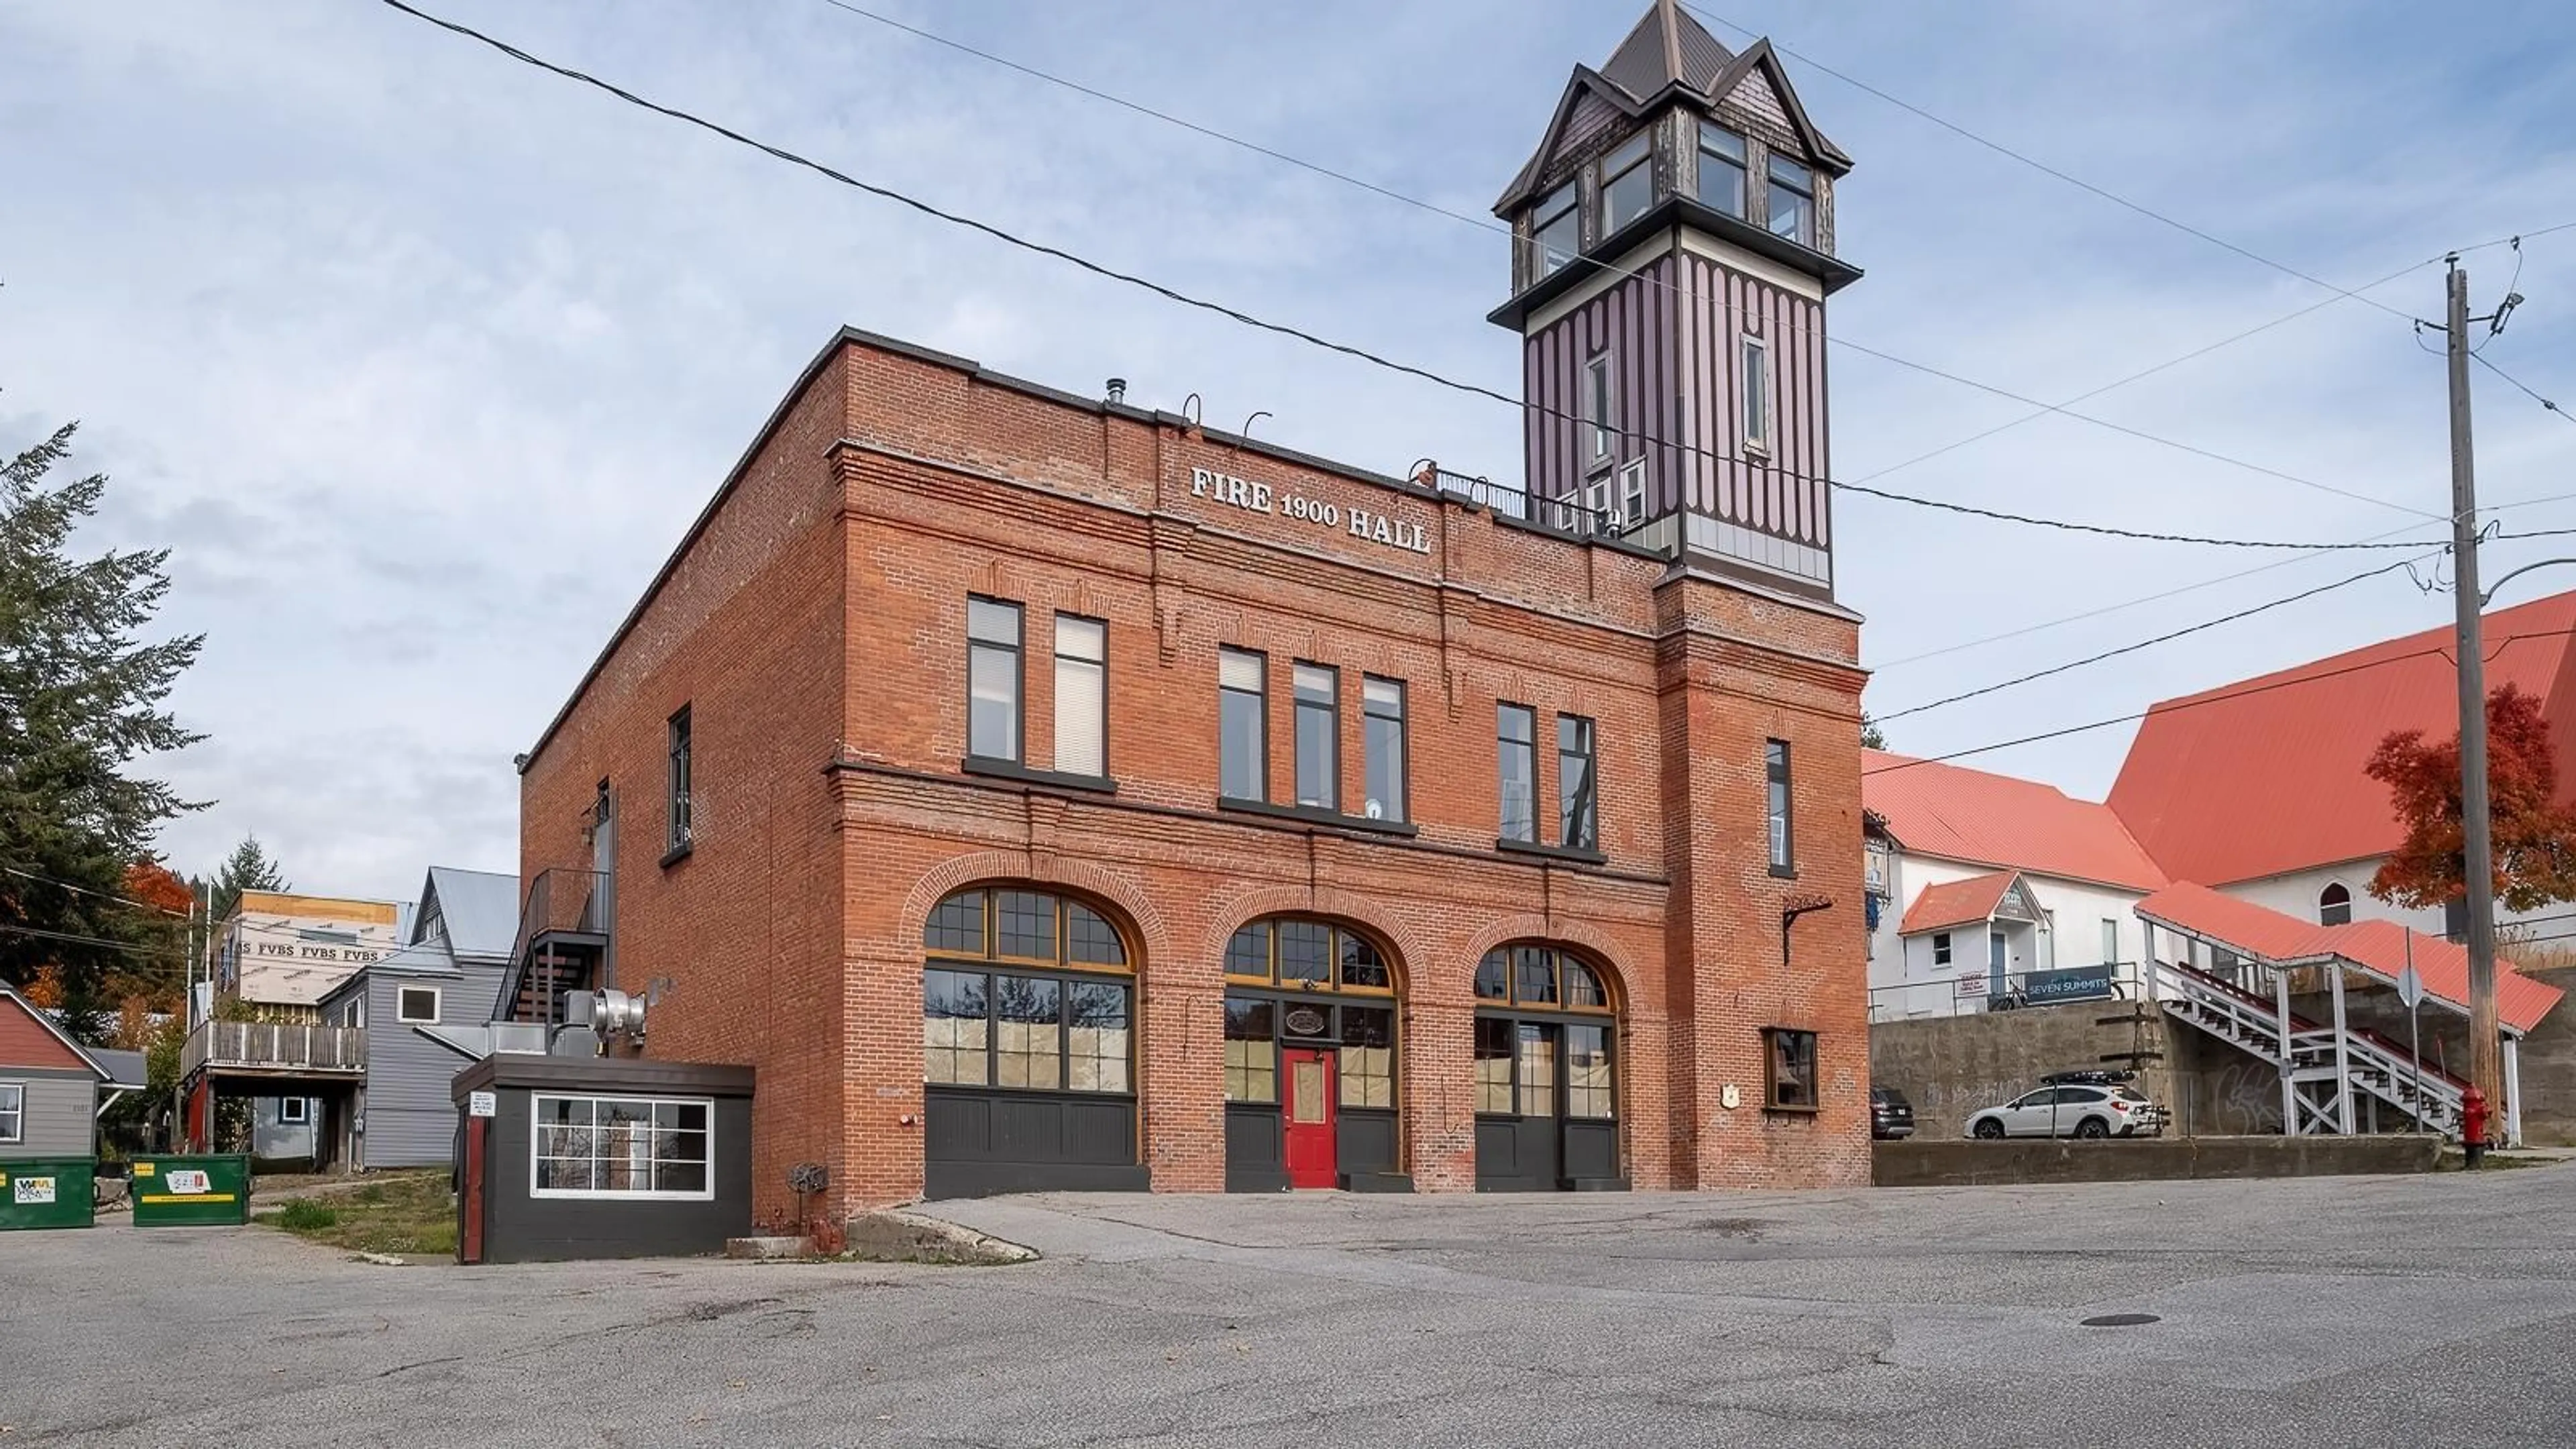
(421,361)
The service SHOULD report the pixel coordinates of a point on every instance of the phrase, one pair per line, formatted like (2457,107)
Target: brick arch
(1585,939)
(1402,948)
(1127,905)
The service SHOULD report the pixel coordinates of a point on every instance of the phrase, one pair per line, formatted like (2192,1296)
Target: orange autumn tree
(2534,838)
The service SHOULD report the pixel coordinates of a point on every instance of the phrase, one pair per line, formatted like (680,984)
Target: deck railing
(271,1046)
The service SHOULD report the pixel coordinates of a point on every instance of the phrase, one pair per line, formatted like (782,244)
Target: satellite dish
(1373,810)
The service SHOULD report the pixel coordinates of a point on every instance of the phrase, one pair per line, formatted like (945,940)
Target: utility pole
(2486,1066)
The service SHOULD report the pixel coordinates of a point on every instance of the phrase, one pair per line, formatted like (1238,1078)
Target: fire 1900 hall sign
(1262,498)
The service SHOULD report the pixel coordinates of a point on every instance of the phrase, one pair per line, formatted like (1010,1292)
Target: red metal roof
(2376,947)
(2264,776)
(1956,902)
(1969,815)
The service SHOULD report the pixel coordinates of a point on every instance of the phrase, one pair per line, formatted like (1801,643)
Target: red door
(1308,1106)
(469,1203)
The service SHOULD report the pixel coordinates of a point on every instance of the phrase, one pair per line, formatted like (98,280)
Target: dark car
(1890,1115)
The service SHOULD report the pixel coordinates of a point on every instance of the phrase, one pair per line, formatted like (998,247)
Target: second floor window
(1577,798)
(1515,731)
(678,805)
(1243,741)
(1722,169)
(1793,202)
(1757,393)
(1382,738)
(1627,182)
(1775,806)
(1632,494)
(1600,401)
(1081,695)
(1556,230)
(1319,728)
(993,680)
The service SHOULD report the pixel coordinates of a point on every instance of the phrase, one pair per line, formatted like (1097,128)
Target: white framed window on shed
(294,1111)
(1941,949)
(622,1147)
(1757,394)
(417,1004)
(13,1112)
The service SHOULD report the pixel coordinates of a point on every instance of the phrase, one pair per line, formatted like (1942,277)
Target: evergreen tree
(249,868)
(80,704)
(1870,736)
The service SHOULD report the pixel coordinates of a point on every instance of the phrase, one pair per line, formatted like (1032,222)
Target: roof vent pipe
(1117,390)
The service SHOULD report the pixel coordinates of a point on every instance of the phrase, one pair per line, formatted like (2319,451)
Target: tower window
(1627,182)
(1722,170)
(1793,202)
(1632,494)
(1757,394)
(1599,403)
(1556,230)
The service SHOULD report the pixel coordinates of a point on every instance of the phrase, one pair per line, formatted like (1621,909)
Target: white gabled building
(1987,888)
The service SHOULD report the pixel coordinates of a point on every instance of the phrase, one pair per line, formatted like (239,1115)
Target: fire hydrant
(2473,1124)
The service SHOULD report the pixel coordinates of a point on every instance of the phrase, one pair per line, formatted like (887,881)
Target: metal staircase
(2316,1067)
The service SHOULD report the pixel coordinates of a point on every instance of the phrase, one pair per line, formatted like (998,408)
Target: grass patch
(411,1216)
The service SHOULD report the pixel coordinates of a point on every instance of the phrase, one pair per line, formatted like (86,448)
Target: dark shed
(601,1157)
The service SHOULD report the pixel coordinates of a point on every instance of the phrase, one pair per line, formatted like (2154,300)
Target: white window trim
(1632,486)
(303,1111)
(599,1194)
(16,1091)
(437,1006)
(1600,400)
(1756,442)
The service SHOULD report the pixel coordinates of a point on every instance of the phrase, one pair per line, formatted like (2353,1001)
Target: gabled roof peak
(1667,47)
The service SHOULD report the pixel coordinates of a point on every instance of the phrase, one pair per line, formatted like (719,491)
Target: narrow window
(1556,231)
(1595,517)
(1757,394)
(1243,737)
(2334,905)
(1494,1039)
(2110,941)
(1599,400)
(676,811)
(1627,182)
(13,1112)
(1382,738)
(417,1003)
(1588,1085)
(1721,170)
(1515,730)
(1941,949)
(1578,823)
(1319,727)
(993,680)
(1791,1058)
(1081,696)
(1632,495)
(1793,202)
(1776,806)
(1251,1050)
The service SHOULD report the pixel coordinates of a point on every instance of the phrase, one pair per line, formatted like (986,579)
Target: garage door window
(622,1147)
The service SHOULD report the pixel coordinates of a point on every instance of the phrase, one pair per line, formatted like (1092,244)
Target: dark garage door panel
(979,1142)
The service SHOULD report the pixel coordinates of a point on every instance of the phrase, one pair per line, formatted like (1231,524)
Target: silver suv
(2072,1111)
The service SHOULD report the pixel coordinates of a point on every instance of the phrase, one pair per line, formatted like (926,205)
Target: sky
(420,360)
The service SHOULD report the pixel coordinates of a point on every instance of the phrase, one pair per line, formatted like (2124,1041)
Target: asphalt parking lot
(2318,1311)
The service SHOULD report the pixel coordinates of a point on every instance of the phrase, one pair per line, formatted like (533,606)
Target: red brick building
(1042,791)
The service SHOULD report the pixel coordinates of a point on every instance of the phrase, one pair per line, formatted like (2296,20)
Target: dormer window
(1723,168)
(1556,229)
(1627,182)
(1793,202)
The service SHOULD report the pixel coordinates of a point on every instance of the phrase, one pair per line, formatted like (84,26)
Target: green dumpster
(192,1192)
(47,1192)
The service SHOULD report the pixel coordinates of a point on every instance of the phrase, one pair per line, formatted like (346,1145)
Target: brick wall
(820,618)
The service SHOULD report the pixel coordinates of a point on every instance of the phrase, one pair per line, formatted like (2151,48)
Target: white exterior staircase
(2320,1067)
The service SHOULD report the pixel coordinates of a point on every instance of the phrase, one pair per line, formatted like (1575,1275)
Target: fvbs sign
(1262,498)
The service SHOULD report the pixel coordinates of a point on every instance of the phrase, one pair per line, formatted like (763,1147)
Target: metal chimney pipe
(1118,389)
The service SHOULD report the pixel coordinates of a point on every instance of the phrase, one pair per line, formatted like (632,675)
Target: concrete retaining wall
(1951,1067)
(1921,1163)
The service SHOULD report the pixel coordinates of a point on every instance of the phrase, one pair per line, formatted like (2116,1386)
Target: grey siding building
(425,1009)
(49,1086)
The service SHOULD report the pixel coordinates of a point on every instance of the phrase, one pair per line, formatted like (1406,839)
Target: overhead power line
(2480,359)
(2220,697)
(1297,333)
(2164,638)
(2044,168)
(2043,408)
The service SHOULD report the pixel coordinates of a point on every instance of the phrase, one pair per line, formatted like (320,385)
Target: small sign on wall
(481,1104)
(29,1190)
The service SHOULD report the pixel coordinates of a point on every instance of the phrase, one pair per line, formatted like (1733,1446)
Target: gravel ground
(2323,1311)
